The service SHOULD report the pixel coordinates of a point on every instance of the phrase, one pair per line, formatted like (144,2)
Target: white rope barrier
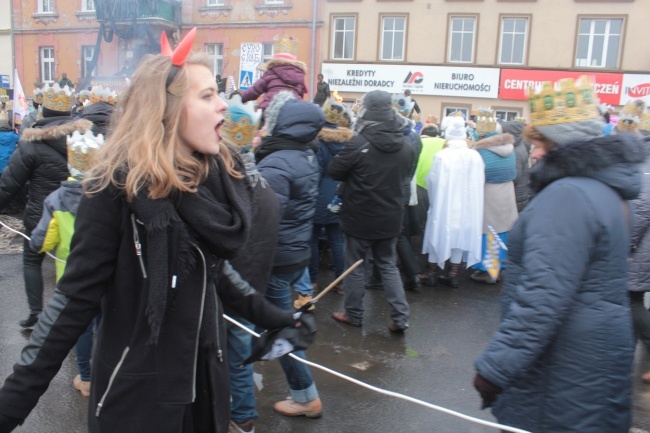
(386,392)
(27,237)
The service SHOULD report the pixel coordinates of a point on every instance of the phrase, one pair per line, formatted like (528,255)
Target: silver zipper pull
(220,355)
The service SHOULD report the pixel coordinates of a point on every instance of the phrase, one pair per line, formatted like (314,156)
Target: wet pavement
(432,361)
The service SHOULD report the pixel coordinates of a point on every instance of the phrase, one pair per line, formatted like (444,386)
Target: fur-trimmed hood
(286,62)
(59,130)
(614,160)
(336,135)
(501,144)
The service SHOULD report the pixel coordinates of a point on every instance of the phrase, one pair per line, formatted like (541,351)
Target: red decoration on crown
(179,55)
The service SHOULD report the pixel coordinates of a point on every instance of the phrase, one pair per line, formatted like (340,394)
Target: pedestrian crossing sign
(245,79)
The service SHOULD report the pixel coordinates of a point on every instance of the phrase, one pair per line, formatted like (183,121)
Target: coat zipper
(138,245)
(198,333)
(110,381)
(216,306)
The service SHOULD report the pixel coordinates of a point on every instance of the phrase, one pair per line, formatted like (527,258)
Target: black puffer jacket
(100,114)
(374,166)
(41,159)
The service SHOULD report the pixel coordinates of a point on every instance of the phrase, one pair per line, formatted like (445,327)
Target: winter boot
(451,279)
(302,300)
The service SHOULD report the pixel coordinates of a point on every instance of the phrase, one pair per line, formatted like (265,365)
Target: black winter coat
(100,114)
(374,165)
(42,159)
(136,387)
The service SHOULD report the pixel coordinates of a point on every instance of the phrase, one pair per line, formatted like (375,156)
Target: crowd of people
(156,210)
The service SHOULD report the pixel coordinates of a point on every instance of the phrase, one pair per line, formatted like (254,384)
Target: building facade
(464,54)
(52,37)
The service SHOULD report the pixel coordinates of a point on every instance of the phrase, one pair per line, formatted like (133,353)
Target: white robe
(455,217)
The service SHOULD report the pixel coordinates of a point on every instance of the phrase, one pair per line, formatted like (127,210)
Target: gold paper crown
(38,96)
(241,121)
(628,120)
(333,111)
(58,99)
(285,44)
(81,150)
(572,101)
(3,95)
(486,123)
(644,124)
(521,119)
(99,93)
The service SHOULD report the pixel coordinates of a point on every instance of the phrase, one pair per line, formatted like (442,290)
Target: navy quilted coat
(563,351)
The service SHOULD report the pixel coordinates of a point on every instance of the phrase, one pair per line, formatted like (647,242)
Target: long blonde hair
(143,148)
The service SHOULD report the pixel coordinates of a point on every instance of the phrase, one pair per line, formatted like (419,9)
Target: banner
(514,83)
(21,108)
(463,82)
(635,86)
(249,64)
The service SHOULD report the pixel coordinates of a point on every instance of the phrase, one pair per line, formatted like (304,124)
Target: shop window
(506,115)
(448,110)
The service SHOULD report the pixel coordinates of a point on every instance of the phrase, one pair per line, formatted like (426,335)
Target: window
(87,60)
(267,51)
(448,110)
(461,40)
(599,42)
(47,64)
(505,115)
(45,6)
(343,38)
(216,3)
(216,52)
(392,38)
(88,5)
(514,35)
(273,2)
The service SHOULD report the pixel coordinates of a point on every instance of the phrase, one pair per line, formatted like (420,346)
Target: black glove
(487,389)
(7,424)
(277,342)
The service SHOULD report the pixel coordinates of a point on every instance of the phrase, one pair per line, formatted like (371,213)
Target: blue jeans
(301,384)
(335,240)
(242,387)
(84,349)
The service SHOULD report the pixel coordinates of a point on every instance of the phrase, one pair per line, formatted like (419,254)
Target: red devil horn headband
(179,55)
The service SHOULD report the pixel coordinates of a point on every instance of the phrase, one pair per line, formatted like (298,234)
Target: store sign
(516,82)
(420,80)
(4,81)
(119,84)
(635,86)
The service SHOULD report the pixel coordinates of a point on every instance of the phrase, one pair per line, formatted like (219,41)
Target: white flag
(20,102)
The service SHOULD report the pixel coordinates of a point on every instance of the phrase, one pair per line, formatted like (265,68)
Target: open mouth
(216,128)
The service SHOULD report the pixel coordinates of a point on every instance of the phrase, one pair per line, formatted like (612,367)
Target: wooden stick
(331,286)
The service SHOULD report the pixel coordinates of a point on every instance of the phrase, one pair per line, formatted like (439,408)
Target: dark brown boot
(451,278)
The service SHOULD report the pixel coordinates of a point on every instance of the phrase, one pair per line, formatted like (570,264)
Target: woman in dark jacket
(166,207)
(522,152)
(331,140)
(639,275)
(40,159)
(561,359)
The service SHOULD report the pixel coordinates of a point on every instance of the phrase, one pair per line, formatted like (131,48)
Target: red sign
(639,91)
(515,83)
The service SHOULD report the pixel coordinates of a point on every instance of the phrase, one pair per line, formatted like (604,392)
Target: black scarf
(217,218)
(274,144)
